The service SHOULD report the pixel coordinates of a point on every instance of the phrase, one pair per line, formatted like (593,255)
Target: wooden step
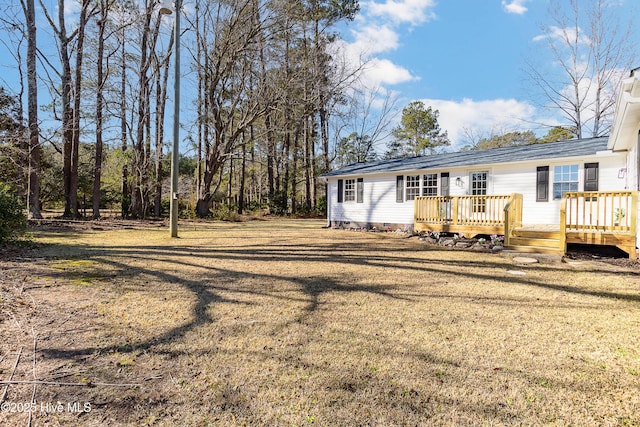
(535,249)
(536,234)
(538,242)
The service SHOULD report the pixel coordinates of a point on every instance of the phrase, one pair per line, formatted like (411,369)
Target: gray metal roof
(551,150)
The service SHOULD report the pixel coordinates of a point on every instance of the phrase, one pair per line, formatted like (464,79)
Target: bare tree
(161,65)
(590,50)
(69,116)
(85,15)
(16,31)
(32,111)
(100,82)
(363,119)
(232,104)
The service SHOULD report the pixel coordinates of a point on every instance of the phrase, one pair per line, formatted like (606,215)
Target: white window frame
(565,178)
(412,186)
(479,205)
(349,190)
(430,184)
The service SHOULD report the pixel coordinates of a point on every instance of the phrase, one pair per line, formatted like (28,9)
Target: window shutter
(340,190)
(360,190)
(591,177)
(399,189)
(542,184)
(444,184)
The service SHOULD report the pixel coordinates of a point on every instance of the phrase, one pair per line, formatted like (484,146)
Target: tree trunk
(138,158)
(126,197)
(70,207)
(307,164)
(34,145)
(242,178)
(161,94)
(270,158)
(77,95)
(97,169)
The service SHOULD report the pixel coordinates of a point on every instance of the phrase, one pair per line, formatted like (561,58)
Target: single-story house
(540,196)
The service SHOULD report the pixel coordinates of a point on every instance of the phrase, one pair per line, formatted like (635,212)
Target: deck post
(512,216)
(563,226)
(454,212)
(508,221)
(634,223)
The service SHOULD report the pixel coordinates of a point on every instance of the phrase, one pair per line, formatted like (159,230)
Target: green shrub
(13,222)
(321,206)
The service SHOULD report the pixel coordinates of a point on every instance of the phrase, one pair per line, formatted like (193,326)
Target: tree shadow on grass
(208,294)
(361,255)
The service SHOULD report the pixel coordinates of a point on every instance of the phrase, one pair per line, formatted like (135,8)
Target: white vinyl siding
(379,190)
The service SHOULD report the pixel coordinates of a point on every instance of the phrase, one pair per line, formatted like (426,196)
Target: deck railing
(601,211)
(462,210)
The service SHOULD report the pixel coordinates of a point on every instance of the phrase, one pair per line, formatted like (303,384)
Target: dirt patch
(287,323)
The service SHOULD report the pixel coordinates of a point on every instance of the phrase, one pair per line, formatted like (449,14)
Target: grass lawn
(287,323)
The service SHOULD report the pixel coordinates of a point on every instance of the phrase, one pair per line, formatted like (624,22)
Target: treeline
(259,75)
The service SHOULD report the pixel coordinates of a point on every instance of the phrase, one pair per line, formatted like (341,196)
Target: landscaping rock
(497,248)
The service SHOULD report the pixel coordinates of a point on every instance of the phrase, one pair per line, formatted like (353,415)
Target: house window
(340,190)
(479,188)
(413,186)
(430,184)
(565,178)
(349,190)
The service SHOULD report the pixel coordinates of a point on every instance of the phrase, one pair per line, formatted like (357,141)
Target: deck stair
(536,240)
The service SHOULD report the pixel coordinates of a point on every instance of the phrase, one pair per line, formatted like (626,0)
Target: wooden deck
(467,215)
(595,218)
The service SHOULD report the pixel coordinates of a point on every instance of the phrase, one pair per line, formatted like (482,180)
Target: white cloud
(375,34)
(482,117)
(382,71)
(562,34)
(72,7)
(375,39)
(403,11)
(515,6)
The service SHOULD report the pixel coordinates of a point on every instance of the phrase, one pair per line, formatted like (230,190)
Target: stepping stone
(525,260)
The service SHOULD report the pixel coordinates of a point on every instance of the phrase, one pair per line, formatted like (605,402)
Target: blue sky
(467,58)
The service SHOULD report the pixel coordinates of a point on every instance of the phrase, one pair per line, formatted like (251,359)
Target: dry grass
(285,323)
